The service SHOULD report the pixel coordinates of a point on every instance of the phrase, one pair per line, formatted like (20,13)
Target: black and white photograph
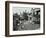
(24,18)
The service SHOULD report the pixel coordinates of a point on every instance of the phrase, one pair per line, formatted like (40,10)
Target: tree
(25,16)
(37,16)
(15,21)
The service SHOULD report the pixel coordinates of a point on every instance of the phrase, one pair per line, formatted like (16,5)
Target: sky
(21,9)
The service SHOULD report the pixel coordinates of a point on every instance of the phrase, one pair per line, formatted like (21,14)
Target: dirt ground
(28,26)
